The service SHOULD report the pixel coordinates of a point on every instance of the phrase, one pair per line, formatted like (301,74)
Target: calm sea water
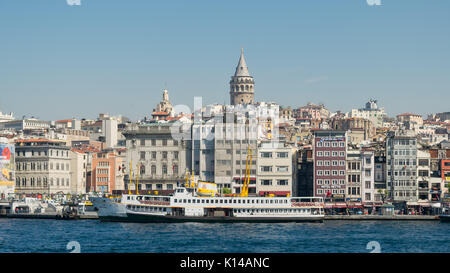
(27,235)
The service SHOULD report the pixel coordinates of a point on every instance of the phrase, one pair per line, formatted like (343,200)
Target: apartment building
(161,160)
(330,153)
(78,173)
(401,167)
(368,190)
(43,166)
(274,169)
(354,168)
(107,173)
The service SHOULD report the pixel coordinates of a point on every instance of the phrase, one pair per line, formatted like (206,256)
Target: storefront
(372,208)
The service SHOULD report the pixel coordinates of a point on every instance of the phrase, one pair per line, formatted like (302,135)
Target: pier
(383,217)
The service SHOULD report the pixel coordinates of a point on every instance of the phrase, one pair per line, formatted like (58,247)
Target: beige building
(162,160)
(274,172)
(78,172)
(43,166)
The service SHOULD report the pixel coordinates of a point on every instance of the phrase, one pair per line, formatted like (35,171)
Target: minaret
(242,84)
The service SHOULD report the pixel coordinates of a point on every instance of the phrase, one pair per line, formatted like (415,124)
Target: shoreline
(326,217)
(383,217)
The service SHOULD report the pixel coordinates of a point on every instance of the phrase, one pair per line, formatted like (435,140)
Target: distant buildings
(6,117)
(25,125)
(370,112)
(357,161)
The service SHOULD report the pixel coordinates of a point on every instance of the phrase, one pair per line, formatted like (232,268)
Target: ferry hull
(444,218)
(141,218)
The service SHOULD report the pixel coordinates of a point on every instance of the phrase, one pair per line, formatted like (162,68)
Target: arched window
(242,88)
(153,169)
(246,88)
(24,182)
(38,181)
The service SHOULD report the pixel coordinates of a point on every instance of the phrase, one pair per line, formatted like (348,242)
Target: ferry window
(271,201)
(203,201)
(221,201)
(207,201)
(253,201)
(234,201)
(128,198)
(217,201)
(174,200)
(189,200)
(184,200)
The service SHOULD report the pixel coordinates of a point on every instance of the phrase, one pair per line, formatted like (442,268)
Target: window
(266,168)
(266,154)
(282,182)
(282,154)
(164,155)
(282,168)
(143,155)
(164,168)
(142,142)
(266,182)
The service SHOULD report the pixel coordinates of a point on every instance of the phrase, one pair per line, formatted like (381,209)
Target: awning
(355,206)
(275,192)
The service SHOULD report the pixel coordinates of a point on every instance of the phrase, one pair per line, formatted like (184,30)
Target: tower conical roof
(241,68)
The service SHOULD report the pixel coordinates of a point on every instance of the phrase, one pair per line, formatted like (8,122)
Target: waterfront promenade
(383,217)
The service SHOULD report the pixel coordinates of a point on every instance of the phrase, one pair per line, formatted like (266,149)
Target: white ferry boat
(185,205)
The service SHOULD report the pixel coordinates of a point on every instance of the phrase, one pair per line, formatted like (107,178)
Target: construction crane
(248,164)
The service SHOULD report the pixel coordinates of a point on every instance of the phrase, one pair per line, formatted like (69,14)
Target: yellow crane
(248,165)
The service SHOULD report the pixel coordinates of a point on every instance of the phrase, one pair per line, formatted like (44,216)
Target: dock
(383,217)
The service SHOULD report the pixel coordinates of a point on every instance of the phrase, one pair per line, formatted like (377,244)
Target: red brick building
(329,153)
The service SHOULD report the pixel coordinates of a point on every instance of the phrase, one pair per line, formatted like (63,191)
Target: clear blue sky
(116,56)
